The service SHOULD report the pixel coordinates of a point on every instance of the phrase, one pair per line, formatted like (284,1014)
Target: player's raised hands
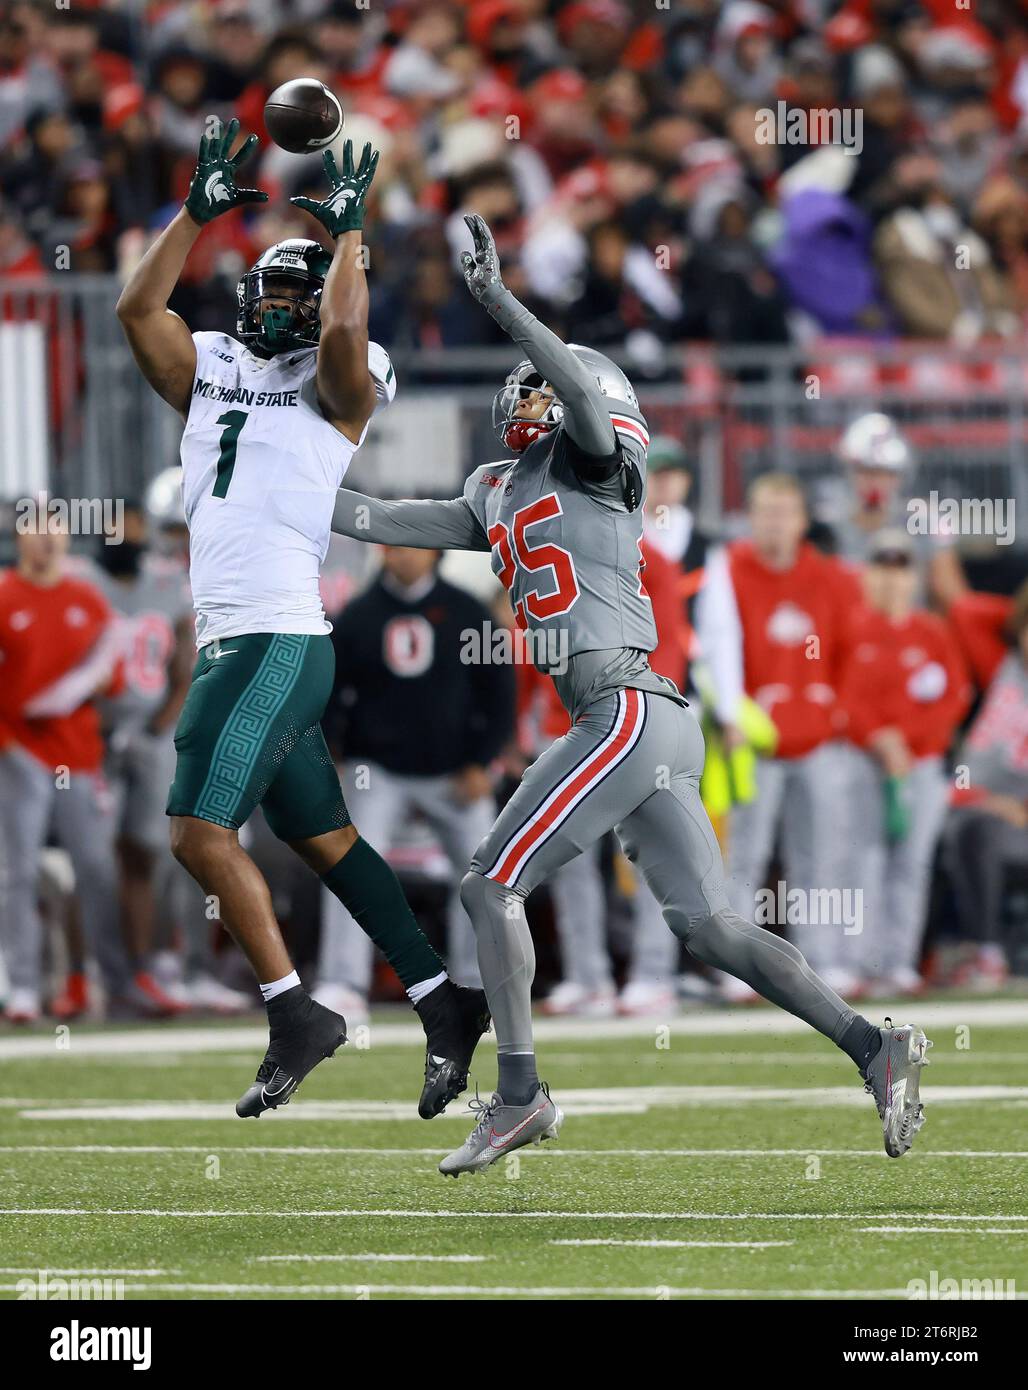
(214,189)
(343,209)
(481,270)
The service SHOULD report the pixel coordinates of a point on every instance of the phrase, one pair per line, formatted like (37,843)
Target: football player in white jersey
(272,418)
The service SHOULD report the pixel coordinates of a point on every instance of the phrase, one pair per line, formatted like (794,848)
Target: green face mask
(276,329)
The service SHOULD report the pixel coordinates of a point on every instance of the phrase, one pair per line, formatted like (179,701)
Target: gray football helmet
(517,434)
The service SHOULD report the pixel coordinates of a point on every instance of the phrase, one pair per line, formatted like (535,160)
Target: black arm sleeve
(614,478)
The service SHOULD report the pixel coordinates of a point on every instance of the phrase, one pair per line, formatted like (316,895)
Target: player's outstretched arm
(345,388)
(586,416)
(422,523)
(160,341)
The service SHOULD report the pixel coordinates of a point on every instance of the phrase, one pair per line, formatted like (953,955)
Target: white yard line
(373,1256)
(684,1244)
(945,1230)
(400,1214)
(36,1269)
(996,1013)
(366,1150)
(656,1292)
(610,1100)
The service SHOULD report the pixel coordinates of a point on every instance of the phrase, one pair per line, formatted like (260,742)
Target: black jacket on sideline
(402,696)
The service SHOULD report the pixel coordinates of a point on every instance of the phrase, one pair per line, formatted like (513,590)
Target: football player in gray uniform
(563,520)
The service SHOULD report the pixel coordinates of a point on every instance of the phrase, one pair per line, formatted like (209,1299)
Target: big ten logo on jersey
(146,643)
(408,645)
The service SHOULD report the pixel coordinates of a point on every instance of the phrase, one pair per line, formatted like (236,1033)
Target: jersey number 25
(515,551)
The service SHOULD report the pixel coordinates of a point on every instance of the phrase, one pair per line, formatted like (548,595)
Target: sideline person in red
(904,691)
(58,652)
(791,605)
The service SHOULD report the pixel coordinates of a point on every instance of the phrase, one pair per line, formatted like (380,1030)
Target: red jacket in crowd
(903,675)
(794,625)
(45,632)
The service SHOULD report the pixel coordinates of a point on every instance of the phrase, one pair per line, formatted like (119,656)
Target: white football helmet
(163,499)
(874,441)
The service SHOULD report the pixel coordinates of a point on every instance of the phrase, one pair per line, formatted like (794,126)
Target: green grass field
(729,1164)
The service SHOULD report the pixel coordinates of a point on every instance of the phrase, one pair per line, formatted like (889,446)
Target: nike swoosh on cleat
(513,1133)
(439,1061)
(284,1087)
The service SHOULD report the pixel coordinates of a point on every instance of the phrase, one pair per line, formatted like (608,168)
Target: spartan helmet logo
(340,198)
(216,188)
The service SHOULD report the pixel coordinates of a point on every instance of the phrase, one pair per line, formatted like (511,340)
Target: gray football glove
(482,270)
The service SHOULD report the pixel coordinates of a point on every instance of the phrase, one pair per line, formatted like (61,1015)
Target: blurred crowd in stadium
(614,149)
(612,145)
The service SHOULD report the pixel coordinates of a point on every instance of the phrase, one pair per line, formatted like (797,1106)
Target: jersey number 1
(233,420)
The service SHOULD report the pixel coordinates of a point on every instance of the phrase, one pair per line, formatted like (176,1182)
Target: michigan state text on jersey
(272,420)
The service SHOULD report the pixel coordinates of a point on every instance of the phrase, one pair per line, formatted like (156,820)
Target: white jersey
(260,469)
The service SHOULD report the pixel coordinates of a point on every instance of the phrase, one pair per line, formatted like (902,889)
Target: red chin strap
(520,433)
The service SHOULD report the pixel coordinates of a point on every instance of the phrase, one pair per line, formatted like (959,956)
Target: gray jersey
(565,547)
(995,750)
(149,606)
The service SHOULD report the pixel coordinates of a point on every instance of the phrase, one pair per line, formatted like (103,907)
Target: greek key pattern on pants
(246,728)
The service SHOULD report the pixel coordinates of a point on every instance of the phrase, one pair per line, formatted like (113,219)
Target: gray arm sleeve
(426,524)
(586,417)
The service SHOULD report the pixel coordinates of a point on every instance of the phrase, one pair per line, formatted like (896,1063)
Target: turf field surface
(729,1155)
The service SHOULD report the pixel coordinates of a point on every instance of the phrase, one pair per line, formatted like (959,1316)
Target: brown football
(303,115)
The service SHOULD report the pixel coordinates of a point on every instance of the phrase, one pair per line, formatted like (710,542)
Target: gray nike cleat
(501,1129)
(893,1077)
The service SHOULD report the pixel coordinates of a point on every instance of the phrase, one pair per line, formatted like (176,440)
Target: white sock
(417,992)
(269,992)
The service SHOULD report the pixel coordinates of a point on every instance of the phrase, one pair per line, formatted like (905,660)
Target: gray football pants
(380,802)
(631,762)
(580,911)
(82,817)
(894,878)
(804,796)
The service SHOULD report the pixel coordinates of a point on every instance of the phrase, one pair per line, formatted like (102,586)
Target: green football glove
(482,270)
(213,189)
(343,209)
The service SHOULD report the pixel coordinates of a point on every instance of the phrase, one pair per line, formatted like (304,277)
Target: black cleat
(454,1022)
(299,1041)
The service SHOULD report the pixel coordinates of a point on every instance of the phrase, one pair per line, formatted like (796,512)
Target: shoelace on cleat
(485,1111)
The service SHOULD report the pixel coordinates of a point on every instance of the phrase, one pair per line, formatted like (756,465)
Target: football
(303,115)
